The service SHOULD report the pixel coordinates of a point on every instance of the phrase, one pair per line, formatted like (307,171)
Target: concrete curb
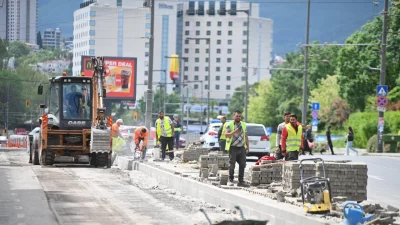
(395,155)
(252,206)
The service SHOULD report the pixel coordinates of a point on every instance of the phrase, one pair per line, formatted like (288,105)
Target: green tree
(237,100)
(356,82)
(39,40)
(3,54)
(18,49)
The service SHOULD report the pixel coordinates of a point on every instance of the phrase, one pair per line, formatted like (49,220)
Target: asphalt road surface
(383,181)
(81,195)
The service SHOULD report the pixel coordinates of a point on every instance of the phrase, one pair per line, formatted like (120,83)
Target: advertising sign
(120,77)
(174,67)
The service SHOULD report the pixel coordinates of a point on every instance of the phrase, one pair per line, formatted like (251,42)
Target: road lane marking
(375,177)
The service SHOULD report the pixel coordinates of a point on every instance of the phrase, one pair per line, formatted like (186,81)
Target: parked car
(258,139)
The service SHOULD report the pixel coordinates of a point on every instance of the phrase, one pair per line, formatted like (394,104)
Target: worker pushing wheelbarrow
(237,222)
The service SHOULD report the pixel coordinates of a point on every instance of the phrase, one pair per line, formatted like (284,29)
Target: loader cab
(70,102)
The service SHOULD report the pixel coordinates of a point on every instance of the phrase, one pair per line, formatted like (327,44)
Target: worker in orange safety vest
(141,135)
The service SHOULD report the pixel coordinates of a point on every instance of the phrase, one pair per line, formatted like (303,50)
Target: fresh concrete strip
(253,206)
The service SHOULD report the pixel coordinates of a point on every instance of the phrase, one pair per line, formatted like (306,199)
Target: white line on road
(375,177)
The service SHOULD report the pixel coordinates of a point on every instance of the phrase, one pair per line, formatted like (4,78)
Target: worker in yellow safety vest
(164,134)
(292,139)
(237,143)
(221,135)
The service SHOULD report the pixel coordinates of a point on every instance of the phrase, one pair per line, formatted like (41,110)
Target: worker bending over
(141,135)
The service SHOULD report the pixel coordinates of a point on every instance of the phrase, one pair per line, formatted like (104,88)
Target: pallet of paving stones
(291,174)
(265,173)
(349,180)
(213,158)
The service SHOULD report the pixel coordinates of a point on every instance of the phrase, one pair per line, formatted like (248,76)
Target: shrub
(372,144)
(365,126)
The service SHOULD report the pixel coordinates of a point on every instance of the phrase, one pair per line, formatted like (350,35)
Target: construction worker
(141,135)
(237,143)
(278,150)
(177,133)
(292,139)
(221,135)
(116,134)
(164,134)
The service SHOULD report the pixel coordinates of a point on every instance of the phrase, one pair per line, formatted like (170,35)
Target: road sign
(381,109)
(314,122)
(382,90)
(382,101)
(315,106)
(314,114)
(314,128)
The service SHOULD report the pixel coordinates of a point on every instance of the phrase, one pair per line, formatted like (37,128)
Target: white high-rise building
(227,32)
(21,20)
(122,29)
(52,38)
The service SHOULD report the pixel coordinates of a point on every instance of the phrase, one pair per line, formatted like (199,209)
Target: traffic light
(135,116)
(28,103)
(40,89)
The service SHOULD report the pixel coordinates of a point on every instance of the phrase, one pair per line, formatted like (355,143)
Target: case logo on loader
(82,123)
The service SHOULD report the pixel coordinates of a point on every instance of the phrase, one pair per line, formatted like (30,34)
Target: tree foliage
(357,82)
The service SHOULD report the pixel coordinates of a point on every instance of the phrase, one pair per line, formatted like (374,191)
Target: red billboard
(120,77)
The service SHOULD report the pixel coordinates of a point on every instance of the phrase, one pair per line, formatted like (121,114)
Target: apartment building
(52,38)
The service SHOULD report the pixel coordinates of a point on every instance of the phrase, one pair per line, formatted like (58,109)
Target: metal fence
(189,137)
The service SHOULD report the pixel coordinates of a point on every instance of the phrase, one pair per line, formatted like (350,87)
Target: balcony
(190,12)
(222,12)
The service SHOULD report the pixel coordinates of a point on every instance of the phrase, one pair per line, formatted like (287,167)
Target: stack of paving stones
(291,174)
(212,158)
(347,179)
(193,153)
(265,173)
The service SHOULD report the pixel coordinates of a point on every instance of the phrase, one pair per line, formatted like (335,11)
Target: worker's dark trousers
(164,142)
(292,156)
(222,144)
(177,135)
(237,154)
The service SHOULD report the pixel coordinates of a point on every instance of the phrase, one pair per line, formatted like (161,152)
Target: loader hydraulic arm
(99,93)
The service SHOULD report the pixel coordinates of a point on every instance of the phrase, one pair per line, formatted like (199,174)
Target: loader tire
(101,160)
(93,157)
(47,158)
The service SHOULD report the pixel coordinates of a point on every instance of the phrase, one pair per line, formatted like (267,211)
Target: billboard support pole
(149,94)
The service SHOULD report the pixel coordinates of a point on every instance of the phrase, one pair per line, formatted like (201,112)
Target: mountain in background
(331,20)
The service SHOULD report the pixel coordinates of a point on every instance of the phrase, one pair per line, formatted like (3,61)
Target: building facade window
(228,87)
(92,42)
(119,2)
(187,23)
(206,68)
(217,87)
(229,51)
(186,41)
(92,32)
(197,41)
(196,68)
(197,23)
(243,60)
(206,60)
(196,86)
(196,77)
(148,16)
(92,52)
(219,33)
(206,87)
(229,42)
(197,32)
(197,50)
(245,23)
(208,33)
(187,32)
(228,69)
(230,23)
(228,78)
(196,59)
(244,42)
(92,23)
(229,60)
(218,69)
(244,51)
(218,51)
(208,23)
(218,60)
(205,78)
(92,13)
(217,78)
(186,50)
(148,26)
(218,42)
(146,54)
(245,32)
(186,68)
(185,77)
(147,34)
(230,33)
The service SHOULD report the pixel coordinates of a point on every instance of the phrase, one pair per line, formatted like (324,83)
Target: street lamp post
(246,96)
(209,77)
(201,96)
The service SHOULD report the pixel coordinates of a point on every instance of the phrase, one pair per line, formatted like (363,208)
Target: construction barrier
(18,141)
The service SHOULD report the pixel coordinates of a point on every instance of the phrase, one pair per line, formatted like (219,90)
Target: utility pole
(305,80)
(383,68)
(149,94)
(8,106)
(246,98)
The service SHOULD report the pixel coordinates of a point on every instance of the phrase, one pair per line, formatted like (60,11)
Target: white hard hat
(176,116)
(120,121)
